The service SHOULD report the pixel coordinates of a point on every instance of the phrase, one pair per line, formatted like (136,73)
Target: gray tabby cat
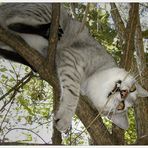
(83,65)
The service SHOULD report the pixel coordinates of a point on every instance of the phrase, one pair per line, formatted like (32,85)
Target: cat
(83,65)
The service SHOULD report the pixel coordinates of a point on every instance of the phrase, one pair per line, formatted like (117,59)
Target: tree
(128,42)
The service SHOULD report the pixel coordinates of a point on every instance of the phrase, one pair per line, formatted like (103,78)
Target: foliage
(32,104)
(130,134)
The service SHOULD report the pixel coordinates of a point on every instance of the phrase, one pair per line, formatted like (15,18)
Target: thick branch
(141,110)
(34,58)
(120,28)
(53,38)
(22,48)
(97,130)
(128,48)
(46,69)
(119,24)
(141,60)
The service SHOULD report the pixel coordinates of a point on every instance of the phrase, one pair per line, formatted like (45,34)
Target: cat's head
(112,92)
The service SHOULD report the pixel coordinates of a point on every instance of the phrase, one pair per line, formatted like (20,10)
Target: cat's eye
(121,105)
(116,88)
(133,88)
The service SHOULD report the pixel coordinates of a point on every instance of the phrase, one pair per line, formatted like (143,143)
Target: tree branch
(141,111)
(97,129)
(84,18)
(25,130)
(22,48)
(53,39)
(128,48)
(46,68)
(19,84)
(117,132)
(119,24)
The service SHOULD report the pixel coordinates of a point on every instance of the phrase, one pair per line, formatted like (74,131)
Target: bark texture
(133,37)
(141,108)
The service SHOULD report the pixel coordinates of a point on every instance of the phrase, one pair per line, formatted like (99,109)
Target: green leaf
(3,69)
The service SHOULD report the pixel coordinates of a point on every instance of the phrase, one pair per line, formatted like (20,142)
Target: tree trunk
(141,107)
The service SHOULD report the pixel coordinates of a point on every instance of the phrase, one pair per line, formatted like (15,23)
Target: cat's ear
(141,91)
(121,120)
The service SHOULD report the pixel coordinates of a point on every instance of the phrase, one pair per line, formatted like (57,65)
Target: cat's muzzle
(124,93)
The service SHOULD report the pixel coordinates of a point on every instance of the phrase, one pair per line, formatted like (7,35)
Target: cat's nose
(124,93)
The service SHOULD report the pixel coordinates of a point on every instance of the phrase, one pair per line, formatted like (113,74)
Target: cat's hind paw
(63,120)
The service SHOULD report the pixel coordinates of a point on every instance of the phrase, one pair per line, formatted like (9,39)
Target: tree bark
(127,36)
(50,62)
(141,110)
(119,24)
(129,47)
(97,130)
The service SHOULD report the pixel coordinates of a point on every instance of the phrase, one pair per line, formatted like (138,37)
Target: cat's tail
(31,14)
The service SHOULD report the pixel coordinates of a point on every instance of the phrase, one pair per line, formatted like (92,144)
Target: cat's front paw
(63,120)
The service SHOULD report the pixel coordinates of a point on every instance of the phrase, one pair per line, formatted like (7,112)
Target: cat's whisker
(136,76)
(99,114)
(141,79)
(113,112)
(139,73)
(128,73)
(126,76)
(111,109)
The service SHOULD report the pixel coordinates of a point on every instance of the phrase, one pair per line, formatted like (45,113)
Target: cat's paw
(63,120)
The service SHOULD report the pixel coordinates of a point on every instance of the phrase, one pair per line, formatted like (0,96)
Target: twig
(6,103)
(84,18)
(14,70)
(16,88)
(42,124)
(144,5)
(8,109)
(18,85)
(26,130)
(12,98)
